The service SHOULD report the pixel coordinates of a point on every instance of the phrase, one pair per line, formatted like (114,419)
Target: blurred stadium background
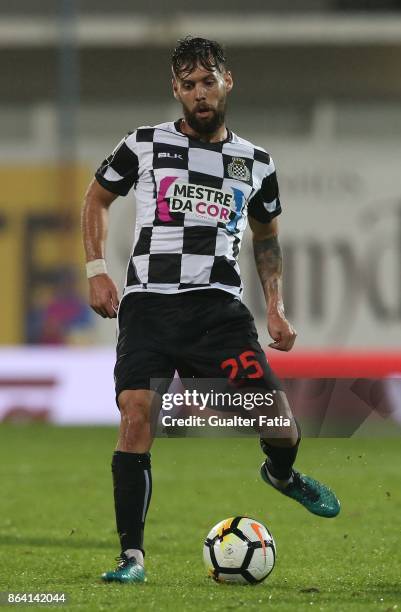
(317,84)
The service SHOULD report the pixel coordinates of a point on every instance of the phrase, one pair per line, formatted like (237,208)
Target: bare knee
(136,415)
(136,401)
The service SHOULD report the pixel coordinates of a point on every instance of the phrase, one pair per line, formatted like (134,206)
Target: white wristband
(95,267)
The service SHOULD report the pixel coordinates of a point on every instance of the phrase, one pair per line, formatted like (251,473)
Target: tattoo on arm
(269,263)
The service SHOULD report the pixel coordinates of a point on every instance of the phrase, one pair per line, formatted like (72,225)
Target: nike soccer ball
(239,550)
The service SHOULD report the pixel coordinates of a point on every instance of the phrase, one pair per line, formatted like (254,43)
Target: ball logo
(228,551)
(237,169)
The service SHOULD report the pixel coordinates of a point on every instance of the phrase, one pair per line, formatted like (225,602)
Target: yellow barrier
(39,237)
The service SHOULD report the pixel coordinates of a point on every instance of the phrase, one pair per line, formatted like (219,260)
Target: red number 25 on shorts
(247,361)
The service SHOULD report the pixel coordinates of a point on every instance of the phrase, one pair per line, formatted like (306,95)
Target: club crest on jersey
(237,169)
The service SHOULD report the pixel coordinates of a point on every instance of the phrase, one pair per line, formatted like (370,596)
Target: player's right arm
(103,294)
(116,175)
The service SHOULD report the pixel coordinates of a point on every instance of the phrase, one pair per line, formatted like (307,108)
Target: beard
(206,125)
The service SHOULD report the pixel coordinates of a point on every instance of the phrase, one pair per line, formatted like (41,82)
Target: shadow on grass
(72,541)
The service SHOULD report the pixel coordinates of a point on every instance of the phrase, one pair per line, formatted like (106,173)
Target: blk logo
(170,156)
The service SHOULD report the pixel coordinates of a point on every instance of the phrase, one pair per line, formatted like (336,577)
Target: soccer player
(196,183)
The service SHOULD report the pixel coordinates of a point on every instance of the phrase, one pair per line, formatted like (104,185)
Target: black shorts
(201,334)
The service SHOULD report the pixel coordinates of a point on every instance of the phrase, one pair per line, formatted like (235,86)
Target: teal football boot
(315,496)
(128,570)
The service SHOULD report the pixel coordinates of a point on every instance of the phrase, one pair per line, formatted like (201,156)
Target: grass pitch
(57,523)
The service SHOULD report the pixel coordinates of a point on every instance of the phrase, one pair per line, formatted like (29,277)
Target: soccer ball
(239,550)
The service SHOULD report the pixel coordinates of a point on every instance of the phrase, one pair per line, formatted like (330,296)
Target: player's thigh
(229,348)
(142,370)
(230,351)
(142,363)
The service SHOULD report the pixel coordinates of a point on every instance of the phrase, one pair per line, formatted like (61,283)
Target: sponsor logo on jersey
(201,201)
(238,169)
(170,155)
(198,201)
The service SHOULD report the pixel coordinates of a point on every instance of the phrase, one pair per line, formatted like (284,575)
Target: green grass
(57,523)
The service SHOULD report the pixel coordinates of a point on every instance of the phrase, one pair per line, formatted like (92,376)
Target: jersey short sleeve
(119,171)
(265,203)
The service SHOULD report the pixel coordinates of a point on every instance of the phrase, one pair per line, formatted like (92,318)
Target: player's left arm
(269,263)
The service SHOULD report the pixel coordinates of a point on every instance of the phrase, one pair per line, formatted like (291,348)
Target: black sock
(280,459)
(132,480)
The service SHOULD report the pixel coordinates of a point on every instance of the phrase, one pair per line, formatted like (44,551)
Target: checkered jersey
(192,200)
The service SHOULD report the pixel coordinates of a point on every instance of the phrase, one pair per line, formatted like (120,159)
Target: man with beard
(195,183)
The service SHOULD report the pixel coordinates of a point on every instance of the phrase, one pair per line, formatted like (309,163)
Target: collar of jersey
(177,127)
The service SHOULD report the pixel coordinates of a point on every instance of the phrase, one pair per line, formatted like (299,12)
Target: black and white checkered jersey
(192,202)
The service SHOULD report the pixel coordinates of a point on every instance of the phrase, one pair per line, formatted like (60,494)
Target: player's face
(203,95)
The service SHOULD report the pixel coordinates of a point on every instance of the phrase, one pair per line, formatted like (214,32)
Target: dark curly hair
(191,50)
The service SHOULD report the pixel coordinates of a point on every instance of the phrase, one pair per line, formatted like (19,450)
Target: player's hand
(281,331)
(103,296)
